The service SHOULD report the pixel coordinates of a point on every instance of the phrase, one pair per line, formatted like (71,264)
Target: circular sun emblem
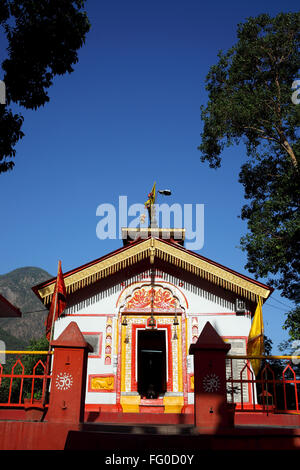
(211,383)
(64,381)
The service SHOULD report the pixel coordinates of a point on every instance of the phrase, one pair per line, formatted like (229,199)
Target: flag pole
(51,333)
(53,319)
(55,306)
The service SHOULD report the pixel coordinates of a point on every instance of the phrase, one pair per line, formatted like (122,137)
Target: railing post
(67,393)
(210,396)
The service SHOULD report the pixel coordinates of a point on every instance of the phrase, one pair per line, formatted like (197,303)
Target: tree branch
(262,132)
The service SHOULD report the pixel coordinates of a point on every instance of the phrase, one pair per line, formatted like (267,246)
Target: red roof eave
(84,266)
(179,247)
(214,263)
(13,311)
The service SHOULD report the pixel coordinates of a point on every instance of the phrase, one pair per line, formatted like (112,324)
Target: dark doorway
(151,363)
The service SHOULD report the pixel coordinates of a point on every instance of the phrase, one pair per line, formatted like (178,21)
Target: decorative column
(210,403)
(67,394)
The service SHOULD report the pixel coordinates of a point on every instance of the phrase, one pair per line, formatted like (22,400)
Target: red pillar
(67,393)
(211,409)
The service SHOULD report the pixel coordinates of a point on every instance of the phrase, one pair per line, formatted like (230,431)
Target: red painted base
(235,439)
(152,406)
(251,431)
(266,419)
(58,436)
(20,435)
(149,411)
(148,417)
(107,414)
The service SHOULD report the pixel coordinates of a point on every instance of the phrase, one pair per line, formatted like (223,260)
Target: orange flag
(58,303)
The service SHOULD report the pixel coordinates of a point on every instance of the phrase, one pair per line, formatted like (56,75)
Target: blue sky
(127,116)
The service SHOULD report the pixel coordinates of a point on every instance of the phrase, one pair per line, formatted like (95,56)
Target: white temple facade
(140,308)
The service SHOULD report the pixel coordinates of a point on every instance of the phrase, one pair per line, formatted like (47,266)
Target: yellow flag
(151,197)
(255,346)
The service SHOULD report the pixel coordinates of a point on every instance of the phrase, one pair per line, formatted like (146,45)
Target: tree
(250,101)
(30,361)
(43,39)
(273,220)
(292,346)
(292,324)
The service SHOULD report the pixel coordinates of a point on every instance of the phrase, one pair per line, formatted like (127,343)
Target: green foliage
(273,220)
(43,39)
(29,362)
(271,371)
(292,346)
(292,323)
(250,89)
(250,101)
(24,365)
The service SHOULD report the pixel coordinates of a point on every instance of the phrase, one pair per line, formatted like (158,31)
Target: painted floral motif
(211,383)
(64,381)
(142,299)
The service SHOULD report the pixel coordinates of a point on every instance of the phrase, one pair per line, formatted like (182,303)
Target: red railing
(273,390)
(23,381)
(270,391)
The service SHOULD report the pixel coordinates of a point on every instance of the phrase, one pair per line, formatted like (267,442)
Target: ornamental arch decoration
(135,304)
(143,297)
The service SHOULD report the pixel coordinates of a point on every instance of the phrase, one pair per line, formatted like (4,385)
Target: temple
(141,307)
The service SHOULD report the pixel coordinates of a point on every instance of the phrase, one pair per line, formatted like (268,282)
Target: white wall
(91,316)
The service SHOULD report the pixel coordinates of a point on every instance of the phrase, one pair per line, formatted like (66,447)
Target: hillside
(16,286)
(11,342)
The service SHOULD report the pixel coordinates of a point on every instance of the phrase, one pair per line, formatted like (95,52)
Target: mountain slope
(16,286)
(11,342)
